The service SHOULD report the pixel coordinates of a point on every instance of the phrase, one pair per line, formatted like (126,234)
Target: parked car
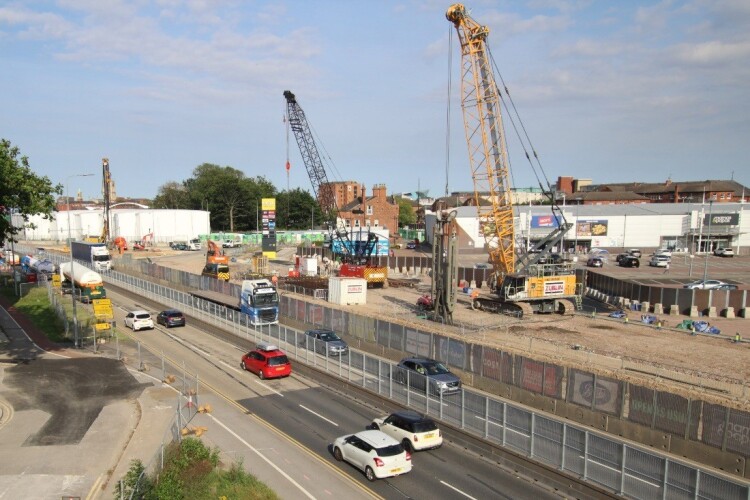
(411,245)
(705,284)
(267,361)
(170,318)
(630,261)
(417,371)
(138,320)
(659,261)
(595,262)
(664,251)
(724,252)
(325,342)
(634,252)
(412,430)
(374,452)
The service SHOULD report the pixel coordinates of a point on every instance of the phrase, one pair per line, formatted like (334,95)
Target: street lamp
(708,244)
(76,342)
(578,208)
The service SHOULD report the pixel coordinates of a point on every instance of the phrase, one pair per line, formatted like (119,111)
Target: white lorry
(95,254)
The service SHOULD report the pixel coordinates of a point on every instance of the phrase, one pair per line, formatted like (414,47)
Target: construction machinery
(106,190)
(355,250)
(146,241)
(522,282)
(217,263)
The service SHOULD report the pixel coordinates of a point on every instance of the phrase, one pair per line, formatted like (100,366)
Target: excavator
(522,282)
(217,263)
(354,250)
(146,241)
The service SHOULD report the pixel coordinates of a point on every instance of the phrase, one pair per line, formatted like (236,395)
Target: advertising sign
(268,241)
(588,228)
(605,396)
(539,221)
(721,219)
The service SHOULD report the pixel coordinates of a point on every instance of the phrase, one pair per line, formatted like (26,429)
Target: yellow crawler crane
(521,283)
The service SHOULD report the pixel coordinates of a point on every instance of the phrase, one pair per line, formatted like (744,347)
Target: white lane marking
(319,415)
(269,462)
(457,490)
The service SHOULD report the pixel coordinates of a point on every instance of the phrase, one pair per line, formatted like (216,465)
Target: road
(311,416)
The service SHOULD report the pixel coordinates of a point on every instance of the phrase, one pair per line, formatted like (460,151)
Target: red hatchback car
(267,361)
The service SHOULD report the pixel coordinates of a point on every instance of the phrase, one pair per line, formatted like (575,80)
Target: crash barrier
(684,299)
(690,419)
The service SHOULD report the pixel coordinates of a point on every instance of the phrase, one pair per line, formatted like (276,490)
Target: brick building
(376,211)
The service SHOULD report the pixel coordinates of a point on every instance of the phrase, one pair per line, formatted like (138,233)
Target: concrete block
(729,312)
(473,284)
(744,312)
(658,308)
(712,312)
(645,306)
(674,310)
(694,312)
(625,303)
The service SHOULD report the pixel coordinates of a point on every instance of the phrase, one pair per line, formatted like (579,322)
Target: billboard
(588,228)
(539,221)
(268,242)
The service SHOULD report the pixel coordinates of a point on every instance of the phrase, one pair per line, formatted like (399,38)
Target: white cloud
(712,53)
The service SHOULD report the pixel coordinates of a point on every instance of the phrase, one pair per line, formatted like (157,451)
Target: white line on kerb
(319,415)
(458,491)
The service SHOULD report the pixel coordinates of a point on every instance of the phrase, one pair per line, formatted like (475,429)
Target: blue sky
(611,91)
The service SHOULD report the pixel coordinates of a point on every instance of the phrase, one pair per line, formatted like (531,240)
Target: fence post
(463,408)
(505,420)
(622,469)
(531,437)
(564,440)
(666,479)
(586,456)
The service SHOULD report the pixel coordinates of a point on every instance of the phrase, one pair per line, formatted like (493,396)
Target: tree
(297,209)
(224,191)
(406,214)
(22,192)
(172,195)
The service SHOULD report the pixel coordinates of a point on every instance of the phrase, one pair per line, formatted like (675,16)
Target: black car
(595,262)
(170,318)
(630,261)
(621,256)
(325,342)
(418,370)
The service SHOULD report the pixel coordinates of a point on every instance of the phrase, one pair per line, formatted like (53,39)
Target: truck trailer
(85,283)
(95,254)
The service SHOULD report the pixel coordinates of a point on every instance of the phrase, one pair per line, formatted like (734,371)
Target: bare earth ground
(599,343)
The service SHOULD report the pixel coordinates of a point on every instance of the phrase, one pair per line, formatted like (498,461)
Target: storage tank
(347,291)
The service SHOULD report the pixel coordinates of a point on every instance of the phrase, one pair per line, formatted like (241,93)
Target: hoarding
(539,221)
(721,219)
(588,228)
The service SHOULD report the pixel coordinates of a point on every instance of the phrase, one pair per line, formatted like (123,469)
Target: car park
(375,453)
(412,430)
(267,361)
(659,261)
(170,318)
(418,372)
(139,320)
(595,262)
(325,342)
(705,284)
(629,261)
(724,252)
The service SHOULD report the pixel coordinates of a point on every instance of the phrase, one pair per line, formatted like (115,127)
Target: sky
(625,91)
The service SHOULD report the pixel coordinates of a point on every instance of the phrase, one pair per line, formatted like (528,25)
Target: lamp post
(708,241)
(76,341)
(578,208)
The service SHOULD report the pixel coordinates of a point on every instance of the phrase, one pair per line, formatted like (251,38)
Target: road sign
(56,280)
(103,308)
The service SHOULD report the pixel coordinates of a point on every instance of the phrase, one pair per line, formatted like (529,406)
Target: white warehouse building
(130,223)
(685,227)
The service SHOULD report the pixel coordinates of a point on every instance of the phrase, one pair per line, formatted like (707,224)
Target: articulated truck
(95,254)
(82,281)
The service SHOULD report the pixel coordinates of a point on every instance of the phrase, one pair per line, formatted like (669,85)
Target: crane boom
(485,136)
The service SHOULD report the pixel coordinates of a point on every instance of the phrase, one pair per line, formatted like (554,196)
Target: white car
(139,320)
(412,430)
(705,284)
(724,252)
(659,261)
(374,452)
(664,251)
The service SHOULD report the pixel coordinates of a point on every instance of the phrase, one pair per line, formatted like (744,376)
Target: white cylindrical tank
(347,291)
(81,274)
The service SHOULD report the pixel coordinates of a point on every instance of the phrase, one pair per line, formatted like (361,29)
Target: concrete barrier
(694,312)
(744,312)
(674,310)
(658,308)
(712,312)
(645,306)
(729,312)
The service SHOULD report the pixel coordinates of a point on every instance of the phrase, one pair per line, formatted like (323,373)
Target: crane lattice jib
(310,156)
(485,136)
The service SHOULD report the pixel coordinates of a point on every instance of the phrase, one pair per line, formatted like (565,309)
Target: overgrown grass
(38,308)
(192,472)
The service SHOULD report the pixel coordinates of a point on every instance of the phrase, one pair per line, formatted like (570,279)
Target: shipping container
(347,291)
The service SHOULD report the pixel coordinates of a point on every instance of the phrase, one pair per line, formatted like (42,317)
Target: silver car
(325,342)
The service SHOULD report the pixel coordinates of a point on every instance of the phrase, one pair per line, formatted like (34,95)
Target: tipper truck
(95,254)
